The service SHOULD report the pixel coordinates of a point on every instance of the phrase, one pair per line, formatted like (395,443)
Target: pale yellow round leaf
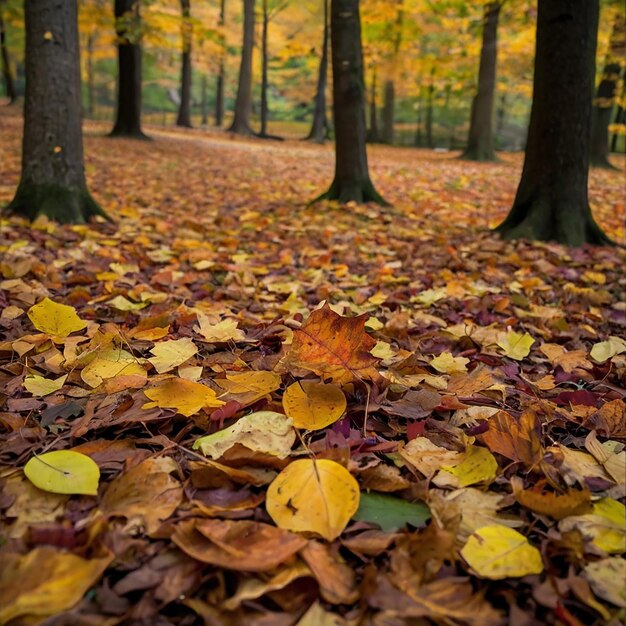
(64,471)
(313,405)
(497,552)
(316,496)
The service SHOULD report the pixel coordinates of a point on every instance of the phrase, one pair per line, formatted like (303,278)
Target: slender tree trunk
(620,118)
(352,181)
(606,94)
(389,104)
(373,136)
(53,174)
(319,128)
(500,117)
(7,74)
(128,118)
(243,103)
(204,102)
(264,70)
(184,110)
(429,110)
(91,95)
(418,129)
(480,145)
(221,74)
(551,202)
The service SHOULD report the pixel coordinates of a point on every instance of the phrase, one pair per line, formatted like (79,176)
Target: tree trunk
(128,119)
(221,74)
(184,110)
(319,128)
(243,103)
(620,118)
(204,102)
(418,129)
(605,96)
(264,71)
(352,181)
(389,105)
(7,74)
(429,110)
(500,115)
(53,174)
(551,202)
(373,136)
(91,95)
(480,145)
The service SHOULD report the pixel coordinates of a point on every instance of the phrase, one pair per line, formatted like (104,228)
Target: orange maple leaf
(333,346)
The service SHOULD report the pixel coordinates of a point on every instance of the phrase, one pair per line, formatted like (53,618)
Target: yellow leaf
(263,431)
(123,304)
(448,364)
(64,471)
(318,496)
(478,466)
(313,405)
(170,354)
(185,396)
(606,578)
(497,552)
(383,350)
(111,363)
(54,319)
(428,297)
(223,331)
(257,383)
(606,350)
(40,386)
(516,346)
(44,582)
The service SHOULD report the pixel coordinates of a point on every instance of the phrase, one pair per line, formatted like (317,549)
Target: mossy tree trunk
(7,73)
(243,103)
(606,95)
(128,29)
(352,180)
(53,176)
(319,127)
(480,145)
(552,202)
(184,110)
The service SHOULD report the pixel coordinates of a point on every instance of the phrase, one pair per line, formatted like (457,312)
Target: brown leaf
(333,347)
(552,504)
(516,439)
(238,545)
(610,419)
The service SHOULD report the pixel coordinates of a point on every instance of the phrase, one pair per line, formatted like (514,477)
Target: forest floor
(474,389)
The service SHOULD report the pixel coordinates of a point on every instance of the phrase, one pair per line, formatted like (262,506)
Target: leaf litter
(305,416)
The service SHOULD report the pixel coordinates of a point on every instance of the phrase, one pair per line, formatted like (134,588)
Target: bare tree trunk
(243,103)
(429,110)
(91,91)
(389,105)
(620,118)
(480,145)
(319,128)
(373,136)
(128,118)
(500,117)
(606,95)
(204,102)
(264,70)
(184,110)
(352,180)
(551,202)
(53,174)
(221,74)
(7,74)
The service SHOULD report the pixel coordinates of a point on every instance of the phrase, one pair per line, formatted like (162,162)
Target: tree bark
(53,175)
(7,74)
(91,95)
(620,118)
(128,118)
(480,146)
(221,74)
(373,136)
(243,103)
(264,70)
(204,102)
(352,181)
(552,202)
(429,110)
(606,95)
(389,104)
(319,127)
(184,110)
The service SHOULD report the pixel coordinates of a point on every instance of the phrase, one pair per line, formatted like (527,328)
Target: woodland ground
(496,395)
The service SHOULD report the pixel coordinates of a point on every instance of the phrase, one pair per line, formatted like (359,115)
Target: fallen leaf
(312,405)
(516,345)
(498,552)
(605,350)
(557,506)
(187,397)
(318,496)
(446,363)
(111,363)
(333,346)
(391,513)
(171,354)
(606,578)
(223,331)
(478,466)
(39,386)
(516,439)
(64,471)
(427,457)
(264,431)
(54,319)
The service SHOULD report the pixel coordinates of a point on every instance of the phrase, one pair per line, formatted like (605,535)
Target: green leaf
(391,513)
(64,471)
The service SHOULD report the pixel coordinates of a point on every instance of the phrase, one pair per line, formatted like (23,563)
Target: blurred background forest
(421,64)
